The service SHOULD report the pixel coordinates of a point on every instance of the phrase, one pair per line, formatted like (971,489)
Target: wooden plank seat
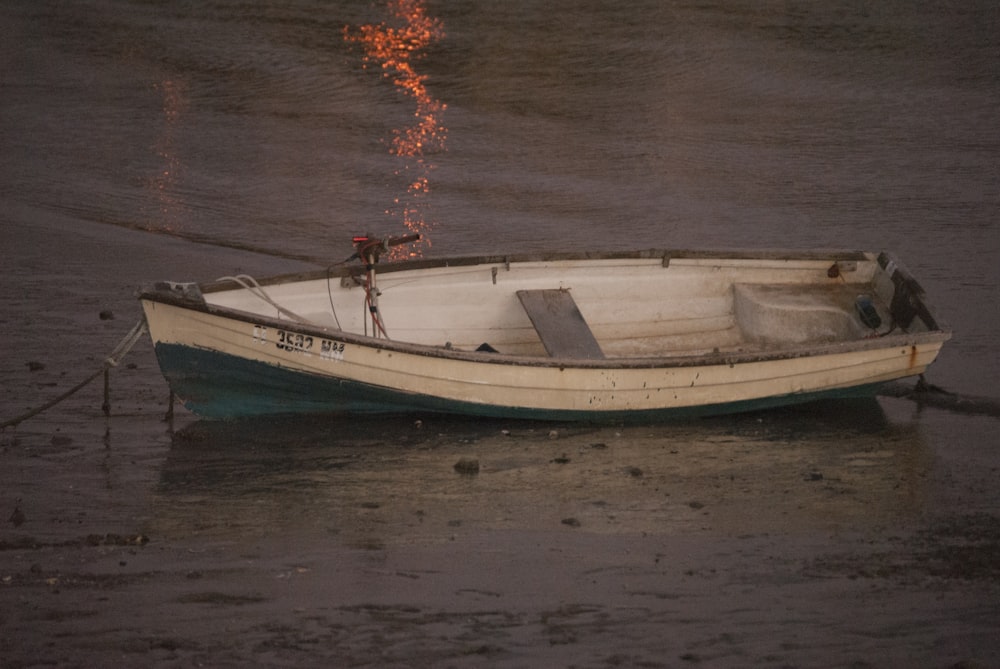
(559,324)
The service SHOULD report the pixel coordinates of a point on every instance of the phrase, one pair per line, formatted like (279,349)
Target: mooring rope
(923,393)
(115,357)
(927,394)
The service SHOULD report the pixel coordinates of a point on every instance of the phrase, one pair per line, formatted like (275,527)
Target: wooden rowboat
(641,335)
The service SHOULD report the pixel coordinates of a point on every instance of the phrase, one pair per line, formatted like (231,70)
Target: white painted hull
(340,370)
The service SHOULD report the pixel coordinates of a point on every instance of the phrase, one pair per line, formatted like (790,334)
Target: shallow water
(827,535)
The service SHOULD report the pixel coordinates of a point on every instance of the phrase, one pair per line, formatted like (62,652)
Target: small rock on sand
(467,466)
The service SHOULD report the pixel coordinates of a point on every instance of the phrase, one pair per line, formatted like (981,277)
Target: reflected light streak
(395,46)
(165,182)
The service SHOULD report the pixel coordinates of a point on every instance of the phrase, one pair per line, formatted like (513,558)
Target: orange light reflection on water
(396,46)
(165,183)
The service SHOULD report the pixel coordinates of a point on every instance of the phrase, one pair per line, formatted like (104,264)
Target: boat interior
(595,308)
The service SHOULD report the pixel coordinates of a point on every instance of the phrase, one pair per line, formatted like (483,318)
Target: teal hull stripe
(219,385)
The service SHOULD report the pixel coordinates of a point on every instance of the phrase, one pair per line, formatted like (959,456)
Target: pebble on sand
(17,517)
(467,466)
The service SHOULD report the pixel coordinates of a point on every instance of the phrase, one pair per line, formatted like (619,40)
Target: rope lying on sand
(119,352)
(927,394)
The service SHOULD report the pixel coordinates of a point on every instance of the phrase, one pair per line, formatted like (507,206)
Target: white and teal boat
(643,335)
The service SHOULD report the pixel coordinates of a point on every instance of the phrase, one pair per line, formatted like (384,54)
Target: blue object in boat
(867,312)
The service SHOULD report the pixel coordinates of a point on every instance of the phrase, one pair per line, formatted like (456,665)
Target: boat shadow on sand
(370,482)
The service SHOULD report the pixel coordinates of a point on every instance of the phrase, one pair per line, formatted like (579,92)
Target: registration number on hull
(296,342)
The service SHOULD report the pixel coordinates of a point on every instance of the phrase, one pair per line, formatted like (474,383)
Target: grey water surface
(188,140)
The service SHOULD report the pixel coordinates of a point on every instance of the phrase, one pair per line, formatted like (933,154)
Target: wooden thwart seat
(560,325)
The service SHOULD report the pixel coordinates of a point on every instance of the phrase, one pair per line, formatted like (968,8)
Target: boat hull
(218,385)
(225,368)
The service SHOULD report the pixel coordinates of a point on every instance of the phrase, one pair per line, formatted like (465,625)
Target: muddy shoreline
(859,534)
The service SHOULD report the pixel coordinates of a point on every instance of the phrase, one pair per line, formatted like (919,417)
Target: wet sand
(846,534)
